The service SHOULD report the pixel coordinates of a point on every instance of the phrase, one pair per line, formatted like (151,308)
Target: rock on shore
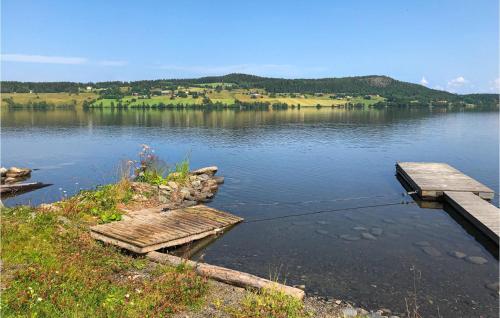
(14,174)
(199,186)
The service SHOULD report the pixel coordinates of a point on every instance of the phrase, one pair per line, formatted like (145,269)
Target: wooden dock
(441,182)
(483,215)
(151,229)
(430,180)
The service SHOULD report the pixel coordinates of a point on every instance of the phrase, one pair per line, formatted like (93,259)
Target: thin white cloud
(256,69)
(112,63)
(495,85)
(423,81)
(457,84)
(44,59)
(224,69)
(439,87)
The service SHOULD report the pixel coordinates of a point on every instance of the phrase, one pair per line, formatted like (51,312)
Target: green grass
(215,84)
(100,203)
(181,172)
(53,268)
(56,99)
(154,100)
(269,303)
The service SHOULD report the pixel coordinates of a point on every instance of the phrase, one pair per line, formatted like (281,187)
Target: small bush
(151,169)
(181,172)
(101,202)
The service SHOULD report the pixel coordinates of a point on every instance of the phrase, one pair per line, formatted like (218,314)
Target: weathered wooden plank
(482,214)
(149,229)
(434,181)
(430,180)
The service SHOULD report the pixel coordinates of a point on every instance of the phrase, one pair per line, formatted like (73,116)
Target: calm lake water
(298,161)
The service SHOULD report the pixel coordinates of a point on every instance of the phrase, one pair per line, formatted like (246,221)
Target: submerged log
(226,275)
(19,188)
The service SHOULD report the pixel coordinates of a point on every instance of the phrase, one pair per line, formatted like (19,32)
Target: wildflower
(39,299)
(127,296)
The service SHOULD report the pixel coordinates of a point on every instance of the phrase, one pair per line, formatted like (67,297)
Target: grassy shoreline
(51,267)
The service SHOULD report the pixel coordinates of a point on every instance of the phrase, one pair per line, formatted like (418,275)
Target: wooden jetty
(441,182)
(483,215)
(151,229)
(431,179)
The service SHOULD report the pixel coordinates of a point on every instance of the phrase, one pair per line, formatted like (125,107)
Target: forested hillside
(395,92)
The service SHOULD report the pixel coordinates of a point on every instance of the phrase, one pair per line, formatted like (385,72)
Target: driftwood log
(226,275)
(20,188)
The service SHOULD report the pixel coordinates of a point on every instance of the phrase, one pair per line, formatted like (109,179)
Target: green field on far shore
(191,96)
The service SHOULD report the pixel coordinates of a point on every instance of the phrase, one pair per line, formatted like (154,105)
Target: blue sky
(451,45)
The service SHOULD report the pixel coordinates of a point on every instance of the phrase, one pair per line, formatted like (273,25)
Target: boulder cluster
(14,174)
(198,187)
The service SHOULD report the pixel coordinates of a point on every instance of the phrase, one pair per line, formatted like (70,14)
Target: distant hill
(396,92)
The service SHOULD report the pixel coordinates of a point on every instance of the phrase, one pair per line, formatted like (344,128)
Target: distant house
(255,95)
(89,88)
(166,92)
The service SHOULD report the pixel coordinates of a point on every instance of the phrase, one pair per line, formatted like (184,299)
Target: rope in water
(315,201)
(326,211)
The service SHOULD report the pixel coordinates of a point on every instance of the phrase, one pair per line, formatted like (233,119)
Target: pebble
(196,183)
(368,236)
(219,180)
(377,231)
(493,286)
(63,220)
(359,228)
(323,232)
(207,170)
(422,243)
(421,226)
(349,237)
(361,312)
(478,260)
(349,312)
(429,250)
(457,254)
(385,311)
(173,185)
